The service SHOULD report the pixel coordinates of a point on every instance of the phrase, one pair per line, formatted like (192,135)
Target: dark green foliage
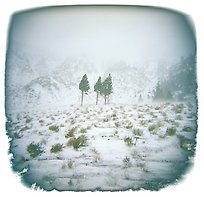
(129,126)
(56,148)
(76,143)
(84,87)
(186,144)
(129,141)
(107,88)
(162,92)
(54,128)
(71,132)
(180,82)
(98,88)
(171,131)
(188,129)
(34,149)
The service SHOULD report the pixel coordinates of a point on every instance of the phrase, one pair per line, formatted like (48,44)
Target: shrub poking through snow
(126,162)
(171,131)
(186,143)
(129,126)
(137,132)
(152,127)
(70,133)
(188,129)
(56,148)
(83,130)
(28,119)
(77,142)
(34,149)
(178,108)
(129,141)
(54,128)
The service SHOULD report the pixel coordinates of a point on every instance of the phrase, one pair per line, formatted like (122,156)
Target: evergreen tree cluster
(180,83)
(104,88)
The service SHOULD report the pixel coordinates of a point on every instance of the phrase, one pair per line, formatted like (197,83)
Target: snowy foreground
(122,147)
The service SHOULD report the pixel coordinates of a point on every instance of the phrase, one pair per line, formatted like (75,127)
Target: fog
(102,34)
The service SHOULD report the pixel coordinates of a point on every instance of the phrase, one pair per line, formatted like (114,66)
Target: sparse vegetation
(152,127)
(129,125)
(71,132)
(83,130)
(17,135)
(178,108)
(188,129)
(28,119)
(24,128)
(171,131)
(34,149)
(54,128)
(186,143)
(56,148)
(76,143)
(137,132)
(129,141)
(126,162)
(68,164)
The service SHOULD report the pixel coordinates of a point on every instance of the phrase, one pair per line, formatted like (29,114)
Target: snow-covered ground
(123,147)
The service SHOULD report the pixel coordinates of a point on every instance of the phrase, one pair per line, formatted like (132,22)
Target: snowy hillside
(113,147)
(101,97)
(60,87)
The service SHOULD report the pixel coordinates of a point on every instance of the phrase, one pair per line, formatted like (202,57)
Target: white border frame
(192,184)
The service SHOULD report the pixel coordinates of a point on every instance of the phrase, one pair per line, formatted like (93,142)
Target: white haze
(102,34)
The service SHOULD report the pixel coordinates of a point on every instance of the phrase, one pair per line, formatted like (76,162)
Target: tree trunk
(105,99)
(97,99)
(82,97)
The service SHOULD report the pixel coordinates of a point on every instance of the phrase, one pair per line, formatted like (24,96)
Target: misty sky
(132,34)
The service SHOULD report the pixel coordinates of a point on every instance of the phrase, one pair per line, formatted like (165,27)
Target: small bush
(152,127)
(178,108)
(105,120)
(17,135)
(126,162)
(186,143)
(129,141)
(70,133)
(171,131)
(83,130)
(54,128)
(157,108)
(188,129)
(77,142)
(24,128)
(129,126)
(179,117)
(164,114)
(34,149)
(117,124)
(28,119)
(137,132)
(56,148)
(67,164)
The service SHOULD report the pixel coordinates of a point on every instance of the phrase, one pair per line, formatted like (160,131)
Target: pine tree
(110,87)
(84,87)
(98,88)
(107,88)
(140,98)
